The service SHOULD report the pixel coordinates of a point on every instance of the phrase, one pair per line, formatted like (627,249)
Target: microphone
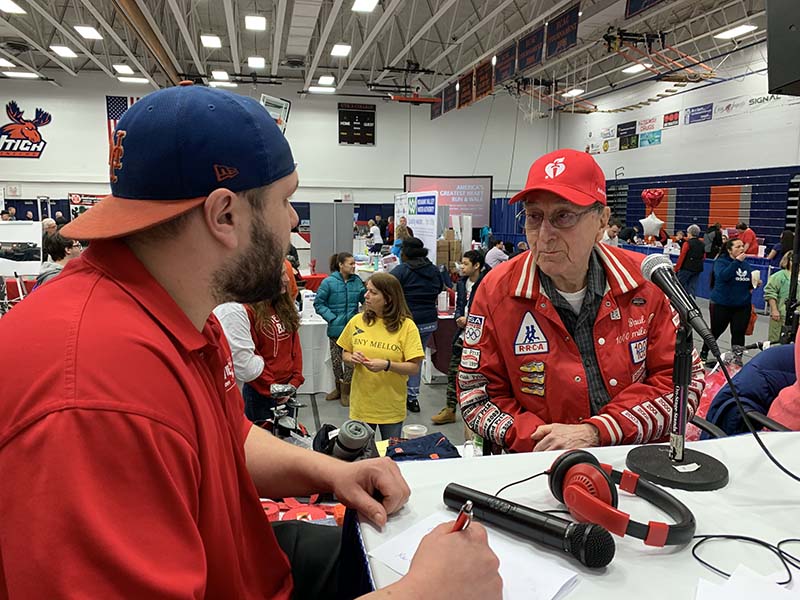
(591,544)
(659,269)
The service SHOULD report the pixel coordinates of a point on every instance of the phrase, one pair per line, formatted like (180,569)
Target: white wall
(767,138)
(76,156)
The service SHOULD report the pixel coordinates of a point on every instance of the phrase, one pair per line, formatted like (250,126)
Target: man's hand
(357,484)
(461,322)
(558,436)
(775,315)
(459,562)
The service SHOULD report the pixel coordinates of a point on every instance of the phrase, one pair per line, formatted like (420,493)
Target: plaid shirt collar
(595,285)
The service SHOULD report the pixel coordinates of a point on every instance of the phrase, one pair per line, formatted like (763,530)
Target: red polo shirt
(748,236)
(122,447)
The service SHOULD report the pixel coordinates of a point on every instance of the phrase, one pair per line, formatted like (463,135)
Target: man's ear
(224,216)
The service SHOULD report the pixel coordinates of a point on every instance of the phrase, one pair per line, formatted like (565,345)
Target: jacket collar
(623,274)
(115,261)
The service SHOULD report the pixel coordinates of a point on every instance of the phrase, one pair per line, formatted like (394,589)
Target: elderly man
(130,410)
(568,346)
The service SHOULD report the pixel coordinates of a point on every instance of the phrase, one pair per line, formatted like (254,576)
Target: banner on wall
(450,98)
(743,105)
(634,7)
(562,31)
(80,203)
(626,129)
(21,138)
(672,119)
(609,146)
(698,114)
(530,49)
(506,65)
(650,138)
(484,80)
(629,142)
(436,109)
(645,125)
(419,209)
(465,90)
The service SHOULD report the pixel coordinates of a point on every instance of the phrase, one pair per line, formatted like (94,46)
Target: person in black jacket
(472,266)
(690,261)
(422,283)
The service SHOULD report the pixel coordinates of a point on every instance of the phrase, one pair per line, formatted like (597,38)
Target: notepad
(744,584)
(527,574)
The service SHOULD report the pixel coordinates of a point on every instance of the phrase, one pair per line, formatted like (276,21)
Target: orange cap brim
(114,217)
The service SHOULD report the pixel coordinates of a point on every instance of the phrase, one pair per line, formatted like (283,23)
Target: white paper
(744,584)
(527,574)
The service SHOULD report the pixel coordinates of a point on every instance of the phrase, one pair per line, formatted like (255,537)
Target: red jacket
(282,354)
(521,369)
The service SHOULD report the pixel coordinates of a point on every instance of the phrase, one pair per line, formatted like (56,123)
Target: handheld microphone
(659,269)
(591,544)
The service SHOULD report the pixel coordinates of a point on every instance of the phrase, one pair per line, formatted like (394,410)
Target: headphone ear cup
(594,481)
(564,463)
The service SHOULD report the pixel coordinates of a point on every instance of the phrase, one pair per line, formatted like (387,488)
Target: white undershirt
(575,299)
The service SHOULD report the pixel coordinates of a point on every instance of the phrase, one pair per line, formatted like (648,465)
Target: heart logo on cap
(555,168)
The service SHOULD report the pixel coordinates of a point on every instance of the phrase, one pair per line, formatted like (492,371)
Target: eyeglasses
(562,218)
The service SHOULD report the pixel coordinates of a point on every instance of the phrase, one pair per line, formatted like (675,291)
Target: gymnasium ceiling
(409,44)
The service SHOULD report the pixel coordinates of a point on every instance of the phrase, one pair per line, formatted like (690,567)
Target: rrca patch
(530,338)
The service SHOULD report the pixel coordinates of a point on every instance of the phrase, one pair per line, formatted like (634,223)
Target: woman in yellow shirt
(383,346)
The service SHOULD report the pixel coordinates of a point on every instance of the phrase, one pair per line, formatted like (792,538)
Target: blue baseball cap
(172,148)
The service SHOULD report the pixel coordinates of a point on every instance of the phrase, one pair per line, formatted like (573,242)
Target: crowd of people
(177,333)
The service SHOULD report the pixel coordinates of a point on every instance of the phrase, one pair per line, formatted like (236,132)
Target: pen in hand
(464,517)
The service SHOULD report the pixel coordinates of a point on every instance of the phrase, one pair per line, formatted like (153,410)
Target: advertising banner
(628,142)
(419,208)
(672,119)
(698,114)
(625,129)
(645,125)
(650,138)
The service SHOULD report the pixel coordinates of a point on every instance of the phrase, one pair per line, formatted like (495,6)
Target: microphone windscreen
(592,545)
(653,262)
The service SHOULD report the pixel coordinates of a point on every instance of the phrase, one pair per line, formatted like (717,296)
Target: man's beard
(256,275)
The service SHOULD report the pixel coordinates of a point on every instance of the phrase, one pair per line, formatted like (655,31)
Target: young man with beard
(124,448)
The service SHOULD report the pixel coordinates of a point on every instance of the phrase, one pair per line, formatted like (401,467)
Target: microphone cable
(747,421)
(513,483)
(788,560)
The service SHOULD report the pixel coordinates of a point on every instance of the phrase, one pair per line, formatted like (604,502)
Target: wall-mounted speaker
(783,45)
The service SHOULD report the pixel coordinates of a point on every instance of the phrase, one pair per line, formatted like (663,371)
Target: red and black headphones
(588,489)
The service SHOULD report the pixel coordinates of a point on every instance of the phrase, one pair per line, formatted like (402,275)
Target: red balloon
(652,197)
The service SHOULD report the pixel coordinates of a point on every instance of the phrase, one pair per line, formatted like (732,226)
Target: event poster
(562,31)
(469,195)
(419,209)
(506,65)
(530,50)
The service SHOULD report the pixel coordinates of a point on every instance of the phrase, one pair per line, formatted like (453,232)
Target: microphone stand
(676,466)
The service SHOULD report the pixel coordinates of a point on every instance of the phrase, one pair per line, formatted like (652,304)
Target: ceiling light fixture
(494,60)
(7,6)
(64,51)
(6,64)
(256,62)
(210,41)
(637,68)
(365,6)
(21,74)
(133,80)
(255,23)
(340,50)
(735,32)
(573,92)
(88,32)
(318,89)
(220,75)
(326,80)
(228,84)
(123,69)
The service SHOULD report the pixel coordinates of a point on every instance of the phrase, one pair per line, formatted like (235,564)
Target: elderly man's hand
(558,436)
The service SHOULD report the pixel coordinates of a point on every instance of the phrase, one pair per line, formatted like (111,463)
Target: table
(314,281)
(316,356)
(759,501)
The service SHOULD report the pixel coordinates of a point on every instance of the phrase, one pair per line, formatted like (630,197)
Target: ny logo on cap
(115,155)
(555,168)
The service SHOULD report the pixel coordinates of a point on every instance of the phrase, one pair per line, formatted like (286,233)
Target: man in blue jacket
(472,267)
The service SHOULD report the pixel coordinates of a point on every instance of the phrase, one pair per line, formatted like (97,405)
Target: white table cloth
(759,501)
(316,356)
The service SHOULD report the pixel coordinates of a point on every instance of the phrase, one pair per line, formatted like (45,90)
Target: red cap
(571,174)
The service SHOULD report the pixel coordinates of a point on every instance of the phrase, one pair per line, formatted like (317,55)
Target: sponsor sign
(651,138)
(698,114)
(626,129)
(672,119)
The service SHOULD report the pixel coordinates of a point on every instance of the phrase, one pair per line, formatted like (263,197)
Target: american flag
(115,108)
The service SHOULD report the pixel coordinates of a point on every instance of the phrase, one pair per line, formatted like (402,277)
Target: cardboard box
(455,251)
(442,252)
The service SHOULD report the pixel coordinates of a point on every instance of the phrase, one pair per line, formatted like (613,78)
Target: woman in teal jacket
(337,301)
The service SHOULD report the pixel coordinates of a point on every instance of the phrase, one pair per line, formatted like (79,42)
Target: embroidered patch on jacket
(470,358)
(638,351)
(530,338)
(474,329)
(638,301)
